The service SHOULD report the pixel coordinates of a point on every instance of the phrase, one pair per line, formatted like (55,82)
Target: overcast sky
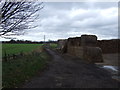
(63,20)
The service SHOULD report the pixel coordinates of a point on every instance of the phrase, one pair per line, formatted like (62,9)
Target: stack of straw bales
(72,45)
(84,47)
(91,53)
(62,45)
(88,40)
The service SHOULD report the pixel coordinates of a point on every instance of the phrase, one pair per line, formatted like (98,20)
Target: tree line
(27,42)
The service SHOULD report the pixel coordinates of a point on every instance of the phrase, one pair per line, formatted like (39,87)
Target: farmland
(53,46)
(22,68)
(26,70)
(10,49)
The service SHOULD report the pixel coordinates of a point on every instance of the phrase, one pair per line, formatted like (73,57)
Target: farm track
(68,72)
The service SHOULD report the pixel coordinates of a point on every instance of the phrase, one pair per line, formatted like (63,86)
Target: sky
(61,20)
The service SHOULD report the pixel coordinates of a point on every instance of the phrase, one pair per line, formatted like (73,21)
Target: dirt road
(69,72)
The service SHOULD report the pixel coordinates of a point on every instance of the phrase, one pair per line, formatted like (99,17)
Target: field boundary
(25,66)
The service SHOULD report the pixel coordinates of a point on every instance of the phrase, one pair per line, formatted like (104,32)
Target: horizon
(55,40)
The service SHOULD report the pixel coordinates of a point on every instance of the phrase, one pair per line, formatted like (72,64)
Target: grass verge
(23,68)
(53,46)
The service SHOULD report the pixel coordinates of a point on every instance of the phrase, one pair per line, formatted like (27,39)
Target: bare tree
(16,16)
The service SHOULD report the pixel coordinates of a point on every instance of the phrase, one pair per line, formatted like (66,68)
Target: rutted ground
(68,72)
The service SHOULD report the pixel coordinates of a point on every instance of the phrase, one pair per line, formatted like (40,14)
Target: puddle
(109,67)
(116,77)
(114,70)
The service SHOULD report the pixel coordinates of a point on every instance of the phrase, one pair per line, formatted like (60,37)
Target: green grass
(17,48)
(53,46)
(21,69)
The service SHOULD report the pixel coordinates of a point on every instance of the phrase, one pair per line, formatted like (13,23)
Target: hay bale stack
(74,41)
(61,43)
(88,40)
(79,51)
(77,41)
(72,44)
(92,54)
(65,48)
(83,47)
(109,46)
(70,50)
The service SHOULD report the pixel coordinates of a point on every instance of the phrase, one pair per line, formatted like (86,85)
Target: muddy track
(67,72)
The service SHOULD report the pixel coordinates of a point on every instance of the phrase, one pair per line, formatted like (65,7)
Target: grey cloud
(85,5)
(63,20)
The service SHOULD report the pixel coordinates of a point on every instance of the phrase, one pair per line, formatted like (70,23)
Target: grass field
(21,69)
(17,48)
(53,45)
